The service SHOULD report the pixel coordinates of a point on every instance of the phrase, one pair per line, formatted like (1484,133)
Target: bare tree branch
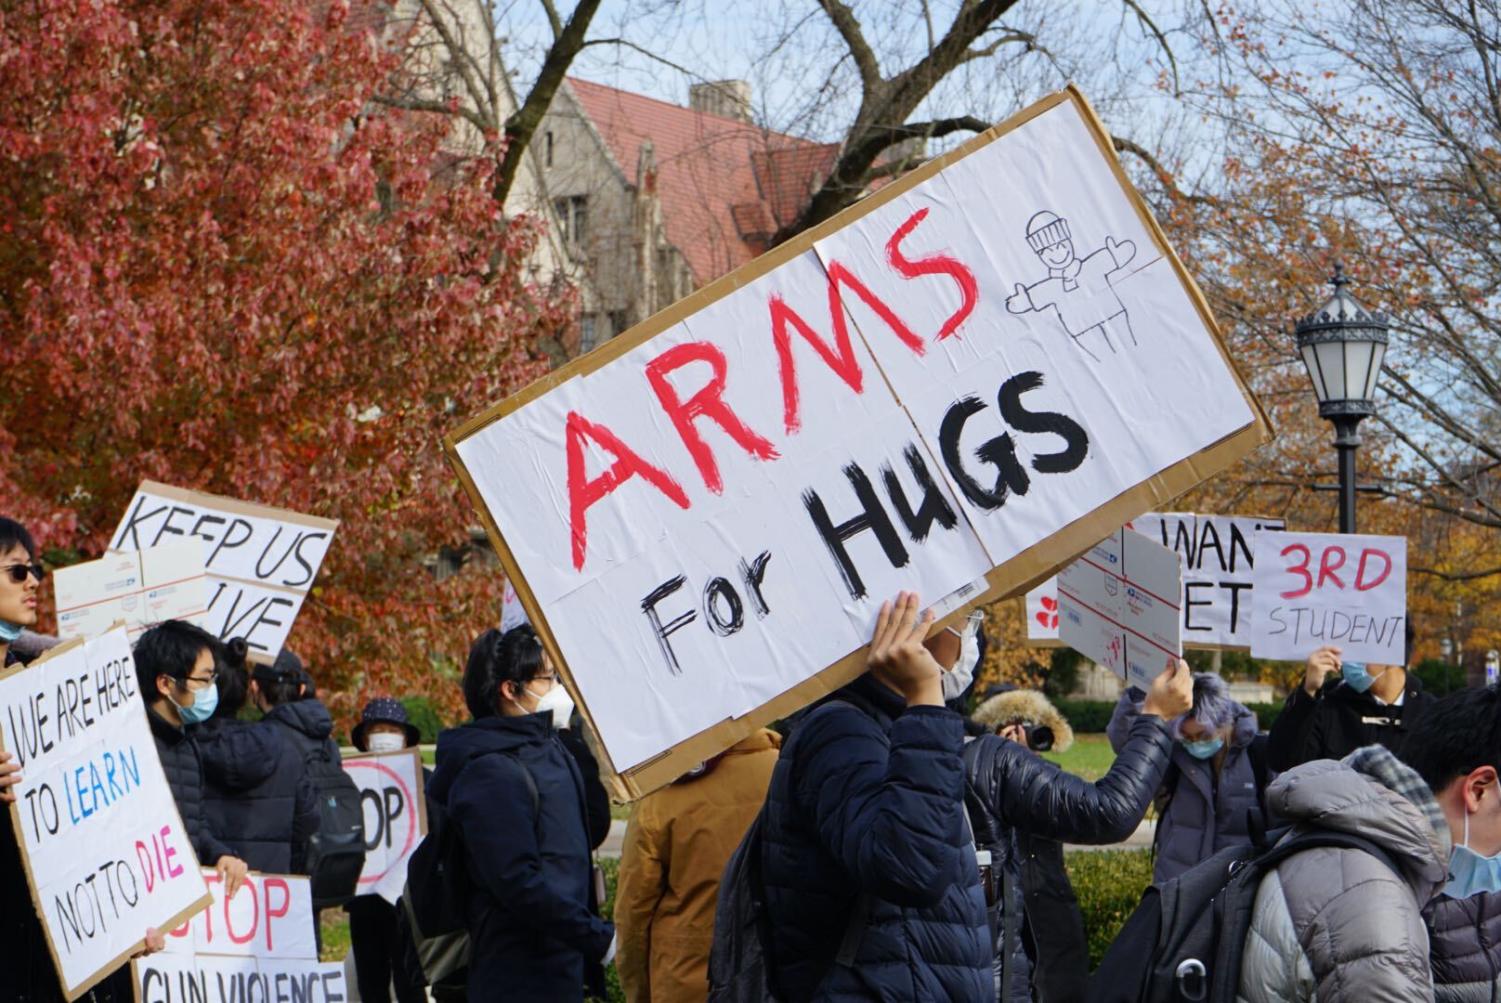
(854,39)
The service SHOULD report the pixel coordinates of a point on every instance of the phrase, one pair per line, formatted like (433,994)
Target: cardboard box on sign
(972,375)
(1118,606)
(139,588)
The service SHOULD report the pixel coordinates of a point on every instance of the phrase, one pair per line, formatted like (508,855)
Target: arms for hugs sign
(105,850)
(971,376)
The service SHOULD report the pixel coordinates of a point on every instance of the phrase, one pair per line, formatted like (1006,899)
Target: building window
(573,218)
(588,336)
(547,145)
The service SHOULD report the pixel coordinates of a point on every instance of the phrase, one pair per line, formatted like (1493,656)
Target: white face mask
(557,702)
(385,741)
(957,679)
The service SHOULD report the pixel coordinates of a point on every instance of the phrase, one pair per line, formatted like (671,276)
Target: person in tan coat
(677,843)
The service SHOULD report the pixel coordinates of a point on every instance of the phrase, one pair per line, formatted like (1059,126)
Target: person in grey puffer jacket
(1464,938)
(1339,925)
(1211,782)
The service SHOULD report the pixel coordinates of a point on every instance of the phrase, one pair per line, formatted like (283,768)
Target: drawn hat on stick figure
(1049,236)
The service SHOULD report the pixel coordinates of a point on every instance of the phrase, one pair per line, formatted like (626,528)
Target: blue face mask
(1205,748)
(1356,676)
(9,631)
(1469,872)
(202,708)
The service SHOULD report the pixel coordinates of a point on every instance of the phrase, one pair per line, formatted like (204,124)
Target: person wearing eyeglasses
(515,796)
(177,671)
(26,971)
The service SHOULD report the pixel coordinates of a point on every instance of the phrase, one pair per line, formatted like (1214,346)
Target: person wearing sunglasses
(26,971)
(177,671)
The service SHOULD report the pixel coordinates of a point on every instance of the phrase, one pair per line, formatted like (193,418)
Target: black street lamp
(1342,344)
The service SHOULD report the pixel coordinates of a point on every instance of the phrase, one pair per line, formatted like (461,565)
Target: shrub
(1440,677)
(1086,715)
(1108,884)
(422,713)
(1266,713)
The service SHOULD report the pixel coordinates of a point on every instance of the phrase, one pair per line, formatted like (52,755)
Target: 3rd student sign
(954,387)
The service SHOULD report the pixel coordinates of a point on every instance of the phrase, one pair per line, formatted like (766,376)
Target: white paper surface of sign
(260,561)
(913,402)
(1117,606)
(1317,589)
(137,588)
(1218,554)
(105,849)
(260,945)
(391,788)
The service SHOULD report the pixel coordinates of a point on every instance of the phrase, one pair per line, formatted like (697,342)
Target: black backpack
(336,852)
(1185,939)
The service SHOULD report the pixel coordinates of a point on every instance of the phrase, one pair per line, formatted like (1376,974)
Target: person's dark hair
(496,658)
(234,677)
(12,535)
(285,680)
(1456,734)
(169,649)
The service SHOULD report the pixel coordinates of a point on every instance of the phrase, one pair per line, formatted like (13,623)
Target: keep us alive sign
(257,946)
(971,376)
(1219,557)
(1317,589)
(391,791)
(261,561)
(105,851)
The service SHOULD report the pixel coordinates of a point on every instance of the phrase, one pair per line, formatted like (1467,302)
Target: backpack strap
(1299,841)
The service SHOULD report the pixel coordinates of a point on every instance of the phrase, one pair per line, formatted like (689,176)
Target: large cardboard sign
(261,561)
(391,790)
(105,851)
(1117,605)
(1218,554)
(1317,589)
(138,588)
(259,945)
(972,375)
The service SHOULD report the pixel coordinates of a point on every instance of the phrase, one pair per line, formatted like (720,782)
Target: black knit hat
(383,710)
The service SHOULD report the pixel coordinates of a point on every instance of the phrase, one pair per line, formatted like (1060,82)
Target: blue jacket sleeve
(891,814)
(492,805)
(1127,709)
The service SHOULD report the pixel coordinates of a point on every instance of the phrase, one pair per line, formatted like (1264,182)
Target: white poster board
(391,790)
(260,945)
(968,376)
(1218,554)
(261,561)
(105,851)
(137,588)
(1117,606)
(1317,589)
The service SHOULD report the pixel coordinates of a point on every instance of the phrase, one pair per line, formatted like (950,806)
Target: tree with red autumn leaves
(225,267)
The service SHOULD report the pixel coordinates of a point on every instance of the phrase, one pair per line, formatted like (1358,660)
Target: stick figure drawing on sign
(1079,289)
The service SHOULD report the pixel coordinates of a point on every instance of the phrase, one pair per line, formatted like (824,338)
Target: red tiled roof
(725,185)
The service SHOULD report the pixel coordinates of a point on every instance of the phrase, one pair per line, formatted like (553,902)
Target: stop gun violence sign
(954,387)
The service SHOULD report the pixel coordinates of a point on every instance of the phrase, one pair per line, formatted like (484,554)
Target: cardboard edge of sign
(126,956)
(1020,572)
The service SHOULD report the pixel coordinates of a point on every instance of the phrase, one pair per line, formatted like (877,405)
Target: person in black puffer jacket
(1464,943)
(1020,805)
(256,790)
(176,661)
(516,799)
(871,883)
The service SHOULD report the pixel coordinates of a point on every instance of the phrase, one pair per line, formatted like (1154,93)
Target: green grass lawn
(1089,757)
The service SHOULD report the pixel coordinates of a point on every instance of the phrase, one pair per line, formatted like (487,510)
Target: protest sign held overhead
(137,588)
(259,945)
(261,561)
(1340,589)
(1218,554)
(105,851)
(956,380)
(391,789)
(1117,605)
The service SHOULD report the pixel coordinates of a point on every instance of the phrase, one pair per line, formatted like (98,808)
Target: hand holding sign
(1172,692)
(898,656)
(1320,664)
(10,775)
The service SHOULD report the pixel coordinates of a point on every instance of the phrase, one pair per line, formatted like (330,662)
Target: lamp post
(1342,345)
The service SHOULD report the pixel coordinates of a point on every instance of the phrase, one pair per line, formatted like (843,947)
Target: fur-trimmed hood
(1025,707)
